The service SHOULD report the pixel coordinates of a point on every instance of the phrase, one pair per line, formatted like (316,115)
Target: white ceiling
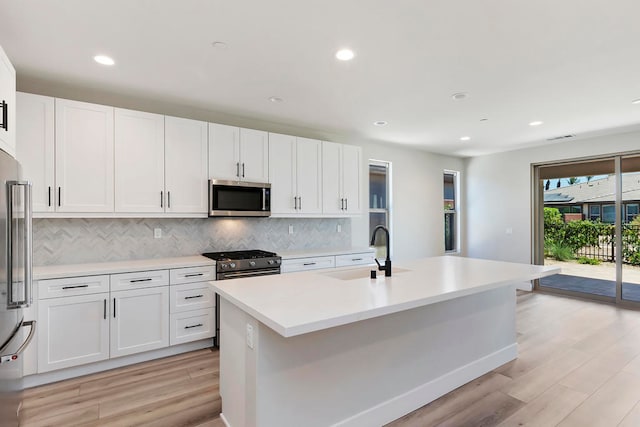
(574,64)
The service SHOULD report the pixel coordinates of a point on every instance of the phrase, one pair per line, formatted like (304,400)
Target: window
(594,212)
(379,202)
(632,211)
(609,214)
(451,197)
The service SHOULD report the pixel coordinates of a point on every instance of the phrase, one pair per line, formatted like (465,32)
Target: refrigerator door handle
(13,356)
(28,245)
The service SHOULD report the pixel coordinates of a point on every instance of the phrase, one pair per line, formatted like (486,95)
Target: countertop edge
(115,267)
(319,325)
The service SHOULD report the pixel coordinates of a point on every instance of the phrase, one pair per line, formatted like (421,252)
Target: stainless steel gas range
(237,264)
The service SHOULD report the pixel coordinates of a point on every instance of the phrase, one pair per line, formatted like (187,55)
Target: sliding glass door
(630,230)
(587,221)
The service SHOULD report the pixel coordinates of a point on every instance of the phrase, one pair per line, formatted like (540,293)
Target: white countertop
(92,269)
(323,252)
(298,303)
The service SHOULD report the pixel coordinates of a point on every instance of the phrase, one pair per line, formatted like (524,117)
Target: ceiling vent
(558,138)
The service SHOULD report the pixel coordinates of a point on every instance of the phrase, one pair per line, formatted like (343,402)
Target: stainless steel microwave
(237,198)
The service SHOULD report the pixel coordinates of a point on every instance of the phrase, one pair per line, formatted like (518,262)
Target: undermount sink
(360,273)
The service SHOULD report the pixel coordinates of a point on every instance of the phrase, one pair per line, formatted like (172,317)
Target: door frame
(537,225)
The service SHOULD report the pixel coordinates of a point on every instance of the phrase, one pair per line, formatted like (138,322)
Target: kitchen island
(339,348)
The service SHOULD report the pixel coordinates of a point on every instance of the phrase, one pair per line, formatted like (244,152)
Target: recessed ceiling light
(104,60)
(636,101)
(345,54)
(460,96)
(536,123)
(380,123)
(275,99)
(465,138)
(219,45)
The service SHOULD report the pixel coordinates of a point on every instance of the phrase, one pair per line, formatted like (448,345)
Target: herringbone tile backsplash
(74,240)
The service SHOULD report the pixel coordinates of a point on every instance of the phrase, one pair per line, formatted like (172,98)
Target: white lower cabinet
(309,263)
(139,320)
(72,331)
(192,325)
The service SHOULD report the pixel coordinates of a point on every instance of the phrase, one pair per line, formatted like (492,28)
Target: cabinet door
(254,155)
(309,175)
(139,320)
(186,165)
(224,152)
(35,131)
(139,161)
(332,199)
(8,95)
(282,172)
(72,331)
(84,157)
(351,178)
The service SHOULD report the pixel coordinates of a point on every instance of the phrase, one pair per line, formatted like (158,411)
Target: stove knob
(223,266)
(252,263)
(277,261)
(271,262)
(232,265)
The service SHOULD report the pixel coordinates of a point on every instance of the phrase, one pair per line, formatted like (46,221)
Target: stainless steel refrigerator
(15,284)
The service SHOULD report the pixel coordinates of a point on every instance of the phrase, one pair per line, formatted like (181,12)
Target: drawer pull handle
(75,287)
(141,280)
(194,296)
(194,275)
(356,259)
(193,326)
(309,263)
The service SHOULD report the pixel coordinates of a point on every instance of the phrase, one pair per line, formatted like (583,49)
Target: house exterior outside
(595,200)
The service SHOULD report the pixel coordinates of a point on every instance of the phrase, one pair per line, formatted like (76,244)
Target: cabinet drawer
(139,280)
(191,296)
(354,259)
(192,274)
(72,286)
(192,326)
(303,264)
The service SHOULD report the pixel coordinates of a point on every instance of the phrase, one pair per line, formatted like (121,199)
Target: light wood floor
(578,365)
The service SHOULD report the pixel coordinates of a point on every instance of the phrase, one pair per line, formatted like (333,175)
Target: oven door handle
(233,275)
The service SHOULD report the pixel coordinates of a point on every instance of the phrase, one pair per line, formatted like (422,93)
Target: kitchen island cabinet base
(92,368)
(368,372)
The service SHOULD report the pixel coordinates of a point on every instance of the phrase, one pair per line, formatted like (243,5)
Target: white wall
(498,193)
(417,216)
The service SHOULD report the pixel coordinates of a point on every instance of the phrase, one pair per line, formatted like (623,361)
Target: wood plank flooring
(578,365)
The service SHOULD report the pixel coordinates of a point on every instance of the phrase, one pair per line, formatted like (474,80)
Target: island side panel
(237,367)
(373,371)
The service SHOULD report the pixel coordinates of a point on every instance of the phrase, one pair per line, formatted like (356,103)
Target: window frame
(455,211)
(389,202)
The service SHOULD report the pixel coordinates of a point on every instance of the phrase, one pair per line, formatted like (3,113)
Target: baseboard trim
(224,420)
(105,365)
(402,404)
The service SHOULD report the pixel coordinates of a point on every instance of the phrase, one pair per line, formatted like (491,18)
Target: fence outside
(606,248)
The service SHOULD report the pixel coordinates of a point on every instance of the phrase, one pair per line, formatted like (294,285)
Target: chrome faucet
(387,263)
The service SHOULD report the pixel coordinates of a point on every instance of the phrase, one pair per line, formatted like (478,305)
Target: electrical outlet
(290,229)
(249,336)
(339,228)
(157,233)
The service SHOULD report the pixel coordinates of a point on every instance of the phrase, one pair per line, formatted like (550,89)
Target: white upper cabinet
(35,131)
(139,161)
(84,157)
(238,154)
(352,178)
(295,171)
(309,175)
(282,173)
(7,105)
(254,155)
(186,174)
(341,179)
